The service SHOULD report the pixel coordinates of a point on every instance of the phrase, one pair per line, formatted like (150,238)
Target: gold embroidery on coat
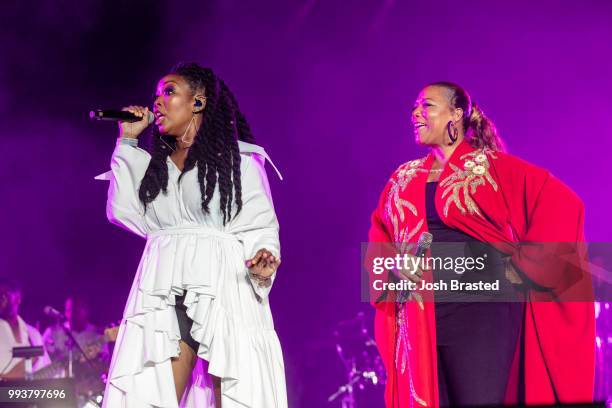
(405,174)
(463,182)
(402,236)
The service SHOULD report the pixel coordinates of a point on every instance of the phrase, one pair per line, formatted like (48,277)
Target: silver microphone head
(51,311)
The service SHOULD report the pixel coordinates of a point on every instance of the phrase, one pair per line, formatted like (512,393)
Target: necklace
(435,170)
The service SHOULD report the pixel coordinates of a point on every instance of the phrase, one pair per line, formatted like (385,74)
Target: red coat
(500,199)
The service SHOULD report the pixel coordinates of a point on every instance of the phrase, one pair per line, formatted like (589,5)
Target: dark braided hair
(477,127)
(215,149)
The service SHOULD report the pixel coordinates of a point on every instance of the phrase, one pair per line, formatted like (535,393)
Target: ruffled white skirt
(233,326)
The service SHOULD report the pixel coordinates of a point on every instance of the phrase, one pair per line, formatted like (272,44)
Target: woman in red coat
(532,340)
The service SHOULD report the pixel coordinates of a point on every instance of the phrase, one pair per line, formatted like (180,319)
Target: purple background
(327,88)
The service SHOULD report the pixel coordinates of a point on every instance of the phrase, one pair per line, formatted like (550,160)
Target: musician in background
(89,337)
(15,332)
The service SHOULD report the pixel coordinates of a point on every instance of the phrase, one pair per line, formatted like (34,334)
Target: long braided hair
(215,149)
(478,128)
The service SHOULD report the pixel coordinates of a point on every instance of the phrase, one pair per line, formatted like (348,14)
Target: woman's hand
(511,274)
(411,274)
(262,266)
(134,129)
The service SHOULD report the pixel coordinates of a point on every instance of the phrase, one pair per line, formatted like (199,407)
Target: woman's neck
(179,156)
(443,152)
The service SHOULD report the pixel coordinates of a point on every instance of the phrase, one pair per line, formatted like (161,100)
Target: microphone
(50,311)
(115,115)
(425,240)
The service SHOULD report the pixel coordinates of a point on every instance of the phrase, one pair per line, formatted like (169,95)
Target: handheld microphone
(51,311)
(425,240)
(115,115)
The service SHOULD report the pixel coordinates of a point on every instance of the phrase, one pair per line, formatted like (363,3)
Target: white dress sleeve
(123,207)
(256,225)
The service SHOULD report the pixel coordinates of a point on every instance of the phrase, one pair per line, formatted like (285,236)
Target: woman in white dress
(197,330)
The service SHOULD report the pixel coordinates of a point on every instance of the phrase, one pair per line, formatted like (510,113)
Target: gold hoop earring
(186,130)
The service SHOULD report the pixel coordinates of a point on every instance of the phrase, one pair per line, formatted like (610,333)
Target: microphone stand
(71,343)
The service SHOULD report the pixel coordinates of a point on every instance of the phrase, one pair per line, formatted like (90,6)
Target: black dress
(476,333)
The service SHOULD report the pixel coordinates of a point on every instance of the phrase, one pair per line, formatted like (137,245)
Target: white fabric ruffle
(234,328)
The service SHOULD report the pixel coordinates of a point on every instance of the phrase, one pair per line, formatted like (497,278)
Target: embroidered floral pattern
(402,339)
(405,174)
(463,182)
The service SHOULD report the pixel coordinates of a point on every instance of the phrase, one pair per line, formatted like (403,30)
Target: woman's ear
(457,114)
(199,104)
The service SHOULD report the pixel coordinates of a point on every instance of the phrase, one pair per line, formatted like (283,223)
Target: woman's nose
(157,101)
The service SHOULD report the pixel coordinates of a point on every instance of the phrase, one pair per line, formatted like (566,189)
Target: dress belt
(192,230)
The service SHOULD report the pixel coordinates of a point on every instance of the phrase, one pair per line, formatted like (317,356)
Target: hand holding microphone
(415,274)
(132,119)
(134,129)
(412,274)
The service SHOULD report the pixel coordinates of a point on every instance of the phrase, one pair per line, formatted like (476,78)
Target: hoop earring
(188,126)
(454,135)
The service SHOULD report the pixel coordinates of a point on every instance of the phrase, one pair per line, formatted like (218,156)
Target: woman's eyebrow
(423,99)
(163,85)
(167,83)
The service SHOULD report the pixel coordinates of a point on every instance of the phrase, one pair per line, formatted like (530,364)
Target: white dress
(193,253)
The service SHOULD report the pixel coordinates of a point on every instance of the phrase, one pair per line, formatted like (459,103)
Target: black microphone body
(115,115)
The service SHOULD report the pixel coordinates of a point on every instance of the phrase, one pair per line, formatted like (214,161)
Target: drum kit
(365,372)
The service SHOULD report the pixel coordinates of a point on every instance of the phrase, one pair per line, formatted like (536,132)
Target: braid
(244,131)
(156,175)
(241,127)
(215,150)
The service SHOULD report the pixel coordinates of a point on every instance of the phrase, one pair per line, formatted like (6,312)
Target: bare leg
(182,367)
(217,387)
